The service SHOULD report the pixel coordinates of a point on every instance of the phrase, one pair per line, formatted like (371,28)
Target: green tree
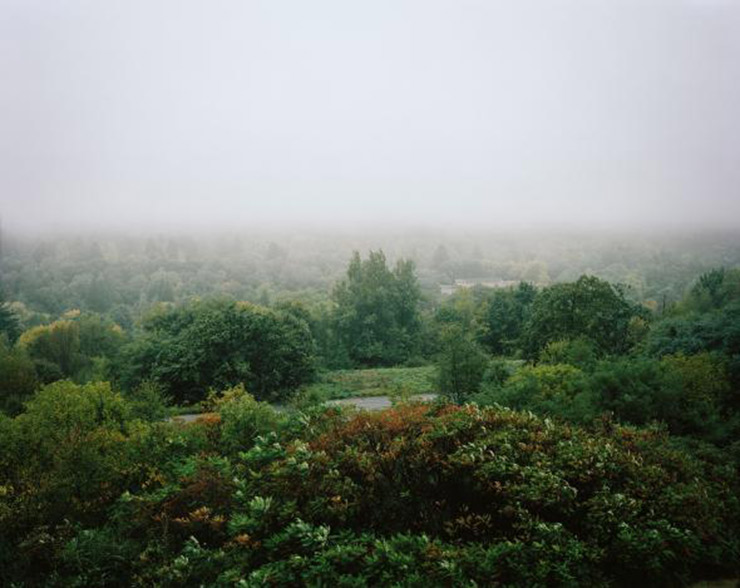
(714,289)
(580,353)
(17,378)
(54,348)
(78,347)
(460,366)
(75,435)
(219,344)
(9,324)
(556,390)
(502,317)
(376,317)
(589,307)
(705,388)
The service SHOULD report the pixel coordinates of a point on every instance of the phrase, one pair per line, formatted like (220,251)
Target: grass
(396,381)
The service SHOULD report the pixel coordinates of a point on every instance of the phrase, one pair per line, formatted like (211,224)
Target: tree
(714,289)
(460,365)
(76,435)
(580,353)
(54,348)
(17,378)
(555,390)
(440,257)
(78,347)
(9,324)
(376,316)
(502,317)
(219,344)
(589,307)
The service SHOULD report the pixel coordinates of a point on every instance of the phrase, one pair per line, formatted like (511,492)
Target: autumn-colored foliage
(419,494)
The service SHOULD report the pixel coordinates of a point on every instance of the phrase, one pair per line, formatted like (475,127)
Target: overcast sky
(180,113)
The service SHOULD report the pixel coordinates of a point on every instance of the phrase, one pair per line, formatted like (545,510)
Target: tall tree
(502,318)
(377,310)
(9,324)
(460,365)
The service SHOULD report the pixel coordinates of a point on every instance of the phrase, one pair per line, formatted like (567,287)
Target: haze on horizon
(180,114)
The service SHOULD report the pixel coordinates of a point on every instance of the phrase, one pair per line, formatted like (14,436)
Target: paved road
(361,402)
(187,418)
(376,402)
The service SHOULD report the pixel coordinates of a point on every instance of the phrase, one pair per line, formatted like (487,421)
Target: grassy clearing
(397,381)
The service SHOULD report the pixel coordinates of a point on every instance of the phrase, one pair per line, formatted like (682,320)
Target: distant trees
(713,289)
(191,348)
(376,316)
(9,325)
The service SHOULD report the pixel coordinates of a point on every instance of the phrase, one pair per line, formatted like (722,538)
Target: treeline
(379,316)
(590,354)
(121,277)
(186,349)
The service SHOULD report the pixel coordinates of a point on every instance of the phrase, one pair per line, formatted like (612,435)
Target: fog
(184,114)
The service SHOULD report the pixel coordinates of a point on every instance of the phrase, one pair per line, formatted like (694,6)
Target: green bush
(425,495)
(243,419)
(557,390)
(148,401)
(581,353)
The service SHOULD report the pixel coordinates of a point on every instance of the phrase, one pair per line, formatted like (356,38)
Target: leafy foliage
(377,311)
(461,365)
(502,318)
(589,307)
(10,327)
(373,382)
(188,349)
(418,494)
(18,379)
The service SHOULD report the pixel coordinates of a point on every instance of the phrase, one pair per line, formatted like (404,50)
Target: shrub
(243,419)
(557,390)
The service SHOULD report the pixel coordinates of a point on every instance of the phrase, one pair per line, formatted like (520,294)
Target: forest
(580,424)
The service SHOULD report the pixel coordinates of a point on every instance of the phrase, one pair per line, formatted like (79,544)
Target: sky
(228,113)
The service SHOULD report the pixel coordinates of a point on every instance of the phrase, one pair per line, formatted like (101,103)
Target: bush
(148,401)
(425,495)
(243,419)
(581,353)
(556,390)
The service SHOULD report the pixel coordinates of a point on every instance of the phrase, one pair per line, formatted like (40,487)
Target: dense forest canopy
(123,275)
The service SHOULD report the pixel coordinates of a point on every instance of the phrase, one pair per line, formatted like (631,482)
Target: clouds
(418,112)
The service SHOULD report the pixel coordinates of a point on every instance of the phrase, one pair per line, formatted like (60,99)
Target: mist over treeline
(560,114)
(99,271)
